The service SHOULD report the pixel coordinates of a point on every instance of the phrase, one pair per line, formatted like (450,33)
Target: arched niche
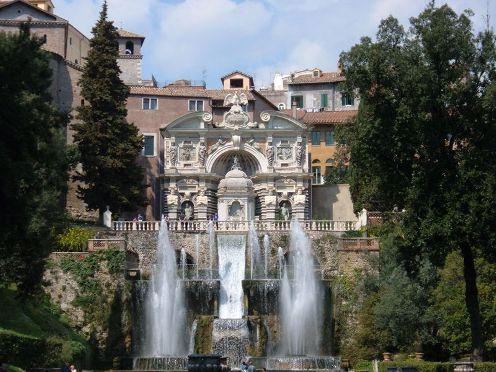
(129,47)
(222,162)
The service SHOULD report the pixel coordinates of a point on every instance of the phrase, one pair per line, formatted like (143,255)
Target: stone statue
(235,164)
(201,198)
(299,198)
(285,211)
(220,142)
(188,212)
(300,153)
(202,152)
(270,155)
(172,198)
(172,154)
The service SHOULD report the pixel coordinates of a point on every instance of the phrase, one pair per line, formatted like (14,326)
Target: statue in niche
(220,142)
(300,152)
(188,211)
(285,211)
(235,164)
(270,154)
(235,211)
(172,154)
(202,152)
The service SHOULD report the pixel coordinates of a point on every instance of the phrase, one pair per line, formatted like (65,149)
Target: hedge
(28,352)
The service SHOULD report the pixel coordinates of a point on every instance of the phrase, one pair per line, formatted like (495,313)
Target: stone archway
(220,160)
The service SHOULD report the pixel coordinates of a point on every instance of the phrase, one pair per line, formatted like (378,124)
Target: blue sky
(205,39)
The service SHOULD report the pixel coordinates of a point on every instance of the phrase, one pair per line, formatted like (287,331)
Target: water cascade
(183,263)
(211,245)
(197,251)
(165,311)
(266,243)
(254,246)
(300,299)
(280,260)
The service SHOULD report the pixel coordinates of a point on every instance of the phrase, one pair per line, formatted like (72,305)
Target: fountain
(197,251)
(280,261)
(211,245)
(266,243)
(165,311)
(301,305)
(183,263)
(254,251)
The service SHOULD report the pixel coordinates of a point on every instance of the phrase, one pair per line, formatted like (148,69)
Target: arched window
(316,161)
(129,47)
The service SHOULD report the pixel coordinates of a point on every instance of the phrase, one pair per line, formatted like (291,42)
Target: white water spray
(266,243)
(197,251)
(301,304)
(280,260)
(183,263)
(165,314)
(254,246)
(211,245)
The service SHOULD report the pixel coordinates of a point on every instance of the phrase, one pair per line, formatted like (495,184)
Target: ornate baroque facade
(235,168)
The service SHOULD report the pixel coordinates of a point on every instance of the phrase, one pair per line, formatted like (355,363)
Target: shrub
(74,239)
(421,366)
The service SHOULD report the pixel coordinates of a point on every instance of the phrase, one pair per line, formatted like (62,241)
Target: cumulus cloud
(260,37)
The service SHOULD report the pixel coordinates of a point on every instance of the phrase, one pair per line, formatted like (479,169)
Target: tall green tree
(33,160)
(107,143)
(423,139)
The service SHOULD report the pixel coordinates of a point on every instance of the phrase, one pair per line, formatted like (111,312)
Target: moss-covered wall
(91,290)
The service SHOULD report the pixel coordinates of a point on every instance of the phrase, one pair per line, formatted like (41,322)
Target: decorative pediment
(236,118)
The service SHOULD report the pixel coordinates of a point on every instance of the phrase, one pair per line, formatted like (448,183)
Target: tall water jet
(266,243)
(211,245)
(301,304)
(165,310)
(254,246)
(197,252)
(183,263)
(280,260)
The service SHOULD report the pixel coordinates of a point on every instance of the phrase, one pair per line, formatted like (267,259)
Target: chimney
(294,111)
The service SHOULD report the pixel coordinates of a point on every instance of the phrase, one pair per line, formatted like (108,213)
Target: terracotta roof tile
(323,117)
(326,77)
(185,91)
(125,33)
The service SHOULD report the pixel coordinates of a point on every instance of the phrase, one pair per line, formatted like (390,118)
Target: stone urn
(386,357)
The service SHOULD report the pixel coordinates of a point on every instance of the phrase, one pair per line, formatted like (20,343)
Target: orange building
(322,144)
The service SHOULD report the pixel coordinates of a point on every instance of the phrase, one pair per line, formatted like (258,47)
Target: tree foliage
(423,138)
(33,160)
(108,144)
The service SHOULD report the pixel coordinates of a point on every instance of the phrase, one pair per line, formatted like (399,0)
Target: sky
(206,39)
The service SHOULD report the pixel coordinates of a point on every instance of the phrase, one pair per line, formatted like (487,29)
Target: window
(329,166)
(297,100)
(195,105)
(347,99)
(281,106)
(315,138)
(129,47)
(236,83)
(329,138)
(316,176)
(150,104)
(70,41)
(149,145)
(324,100)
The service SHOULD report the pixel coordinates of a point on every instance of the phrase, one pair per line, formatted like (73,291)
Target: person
(65,368)
(73,369)
(140,218)
(243,366)
(251,367)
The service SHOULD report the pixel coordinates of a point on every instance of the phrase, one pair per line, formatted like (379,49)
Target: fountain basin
(298,363)
(169,363)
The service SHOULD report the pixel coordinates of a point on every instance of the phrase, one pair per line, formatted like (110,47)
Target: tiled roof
(326,77)
(323,117)
(236,72)
(124,33)
(185,91)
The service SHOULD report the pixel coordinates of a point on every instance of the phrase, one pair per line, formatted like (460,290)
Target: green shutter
(324,101)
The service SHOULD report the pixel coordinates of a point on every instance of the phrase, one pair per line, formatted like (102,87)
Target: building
(310,90)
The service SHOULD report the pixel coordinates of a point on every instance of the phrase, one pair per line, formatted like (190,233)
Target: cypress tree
(34,161)
(108,145)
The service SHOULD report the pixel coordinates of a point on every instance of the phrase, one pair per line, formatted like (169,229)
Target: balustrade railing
(226,226)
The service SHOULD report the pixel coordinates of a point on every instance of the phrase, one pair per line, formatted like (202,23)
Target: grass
(33,317)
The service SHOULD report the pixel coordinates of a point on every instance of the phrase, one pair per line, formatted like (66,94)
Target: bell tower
(46,5)
(130,56)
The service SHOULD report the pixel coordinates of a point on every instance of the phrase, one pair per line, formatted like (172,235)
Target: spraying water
(266,243)
(183,263)
(197,251)
(280,260)
(211,245)
(301,306)
(231,250)
(165,311)
(254,250)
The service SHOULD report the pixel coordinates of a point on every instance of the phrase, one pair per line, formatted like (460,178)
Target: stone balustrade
(226,226)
